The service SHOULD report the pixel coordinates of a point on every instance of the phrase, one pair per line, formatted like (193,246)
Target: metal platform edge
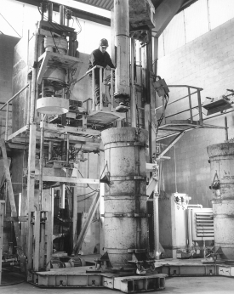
(129,284)
(126,284)
(207,269)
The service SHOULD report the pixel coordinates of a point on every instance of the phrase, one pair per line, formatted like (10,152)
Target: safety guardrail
(106,77)
(7,104)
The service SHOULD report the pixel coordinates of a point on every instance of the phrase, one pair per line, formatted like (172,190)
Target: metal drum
(222,177)
(125,224)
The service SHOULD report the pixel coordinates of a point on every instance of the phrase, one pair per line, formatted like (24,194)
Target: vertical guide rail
(2,210)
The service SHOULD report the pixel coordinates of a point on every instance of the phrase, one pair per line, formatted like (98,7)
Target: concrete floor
(193,285)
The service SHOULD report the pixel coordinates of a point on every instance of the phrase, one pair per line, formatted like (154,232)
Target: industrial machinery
(76,155)
(58,136)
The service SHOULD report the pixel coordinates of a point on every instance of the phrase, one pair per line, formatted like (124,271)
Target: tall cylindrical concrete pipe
(125,223)
(222,177)
(121,24)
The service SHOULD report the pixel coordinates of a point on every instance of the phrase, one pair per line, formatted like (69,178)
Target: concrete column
(125,223)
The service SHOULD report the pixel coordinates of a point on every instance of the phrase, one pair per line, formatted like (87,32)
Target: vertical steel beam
(31,191)
(62,14)
(2,211)
(133,90)
(48,238)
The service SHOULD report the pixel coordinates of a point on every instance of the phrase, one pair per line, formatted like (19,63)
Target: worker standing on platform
(102,58)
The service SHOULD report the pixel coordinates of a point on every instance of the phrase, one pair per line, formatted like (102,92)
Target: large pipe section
(125,217)
(121,24)
(222,177)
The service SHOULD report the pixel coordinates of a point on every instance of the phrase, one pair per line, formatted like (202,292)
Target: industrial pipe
(121,20)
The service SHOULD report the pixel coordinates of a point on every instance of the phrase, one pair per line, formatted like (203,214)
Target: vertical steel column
(62,14)
(121,18)
(50,11)
(125,223)
(133,90)
(222,170)
(2,211)
(31,159)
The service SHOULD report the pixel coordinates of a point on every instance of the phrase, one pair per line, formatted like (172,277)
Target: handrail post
(199,107)
(190,105)
(112,89)
(100,88)
(93,90)
(7,117)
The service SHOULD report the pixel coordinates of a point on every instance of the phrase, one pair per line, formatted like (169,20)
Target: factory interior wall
(7,44)
(206,62)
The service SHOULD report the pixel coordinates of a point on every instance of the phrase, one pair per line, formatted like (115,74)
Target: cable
(10,25)
(86,194)
(54,42)
(88,184)
(86,198)
(79,25)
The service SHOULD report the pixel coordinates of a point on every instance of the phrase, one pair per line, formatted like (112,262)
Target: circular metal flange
(52,105)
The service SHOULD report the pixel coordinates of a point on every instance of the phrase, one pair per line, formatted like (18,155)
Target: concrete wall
(207,62)
(7,44)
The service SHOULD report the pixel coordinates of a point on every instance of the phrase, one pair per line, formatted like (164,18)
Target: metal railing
(7,104)
(193,105)
(103,76)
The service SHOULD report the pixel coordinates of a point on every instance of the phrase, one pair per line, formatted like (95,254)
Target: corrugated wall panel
(220,12)
(174,34)
(196,20)
(104,4)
